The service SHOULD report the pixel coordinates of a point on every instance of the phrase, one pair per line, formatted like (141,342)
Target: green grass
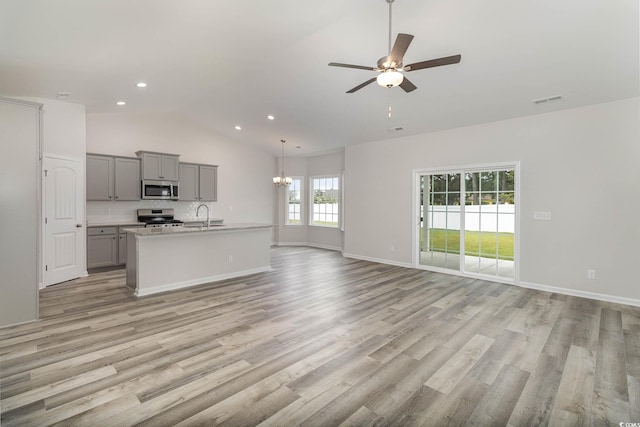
(477,243)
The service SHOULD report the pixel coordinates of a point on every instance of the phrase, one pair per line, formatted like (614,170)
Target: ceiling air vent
(396,129)
(548,99)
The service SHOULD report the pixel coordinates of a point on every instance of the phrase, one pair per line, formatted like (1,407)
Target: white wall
(63,135)
(583,165)
(245,188)
(19,212)
(64,130)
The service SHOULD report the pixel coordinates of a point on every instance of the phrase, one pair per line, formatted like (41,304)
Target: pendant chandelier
(282,180)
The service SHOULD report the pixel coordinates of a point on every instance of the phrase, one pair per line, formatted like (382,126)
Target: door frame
(82,203)
(415,219)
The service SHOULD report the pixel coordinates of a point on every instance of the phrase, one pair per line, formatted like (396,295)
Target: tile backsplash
(107,212)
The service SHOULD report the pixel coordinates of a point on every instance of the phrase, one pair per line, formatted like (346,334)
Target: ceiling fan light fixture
(390,78)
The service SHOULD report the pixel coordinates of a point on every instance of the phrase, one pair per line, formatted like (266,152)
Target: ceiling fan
(389,66)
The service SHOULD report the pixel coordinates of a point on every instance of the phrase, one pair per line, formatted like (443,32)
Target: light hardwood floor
(321,340)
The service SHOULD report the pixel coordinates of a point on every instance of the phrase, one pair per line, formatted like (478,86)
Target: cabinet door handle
(116,197)
(78,225)
(110,197)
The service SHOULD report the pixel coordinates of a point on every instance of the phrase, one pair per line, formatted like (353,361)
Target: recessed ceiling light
(141,84)
(121,103)
(238,127)
(270,117)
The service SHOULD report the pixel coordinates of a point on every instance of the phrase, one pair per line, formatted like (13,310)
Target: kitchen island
(168,258)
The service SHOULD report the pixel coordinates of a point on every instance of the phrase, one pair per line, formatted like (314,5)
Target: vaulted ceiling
(228,63)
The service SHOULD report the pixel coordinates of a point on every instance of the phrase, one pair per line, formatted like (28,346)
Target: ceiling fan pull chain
(389,102)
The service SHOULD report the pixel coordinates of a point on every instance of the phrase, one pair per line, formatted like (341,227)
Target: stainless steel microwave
(160,190)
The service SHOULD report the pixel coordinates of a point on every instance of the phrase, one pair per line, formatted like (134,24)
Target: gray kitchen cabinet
(198,182)
(100,170)
(102,247)
(112,178)
(127,179)
(122,245)
(159,166)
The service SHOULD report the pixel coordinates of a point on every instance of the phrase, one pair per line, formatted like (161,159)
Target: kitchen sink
(203,224)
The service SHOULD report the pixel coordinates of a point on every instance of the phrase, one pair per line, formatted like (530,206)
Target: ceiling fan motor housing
(386,63)
(389,67)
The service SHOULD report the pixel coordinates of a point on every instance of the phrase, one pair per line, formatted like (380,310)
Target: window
(325,208)
(294,202)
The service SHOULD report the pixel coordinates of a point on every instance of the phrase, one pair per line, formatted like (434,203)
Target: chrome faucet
(198,213)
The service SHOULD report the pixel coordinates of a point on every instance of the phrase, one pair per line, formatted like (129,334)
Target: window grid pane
(294,199)
(326,196)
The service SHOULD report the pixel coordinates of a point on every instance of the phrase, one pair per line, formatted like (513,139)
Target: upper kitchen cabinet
(127,178)
(198,182)
(100,184)
(159,166)
(112,178)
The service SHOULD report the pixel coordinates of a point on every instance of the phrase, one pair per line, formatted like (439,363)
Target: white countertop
(116,224)
(164,231)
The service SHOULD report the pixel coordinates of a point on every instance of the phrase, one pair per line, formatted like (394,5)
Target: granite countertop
(164,231)
(131,223)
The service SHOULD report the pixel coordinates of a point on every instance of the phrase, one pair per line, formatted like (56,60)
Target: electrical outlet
(542,215)
(591,274)
(393,248)
(230,259)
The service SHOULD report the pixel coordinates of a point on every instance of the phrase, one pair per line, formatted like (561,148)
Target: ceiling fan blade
(400,47)
(447,60)
(360,86)
(359,67)
(407,85)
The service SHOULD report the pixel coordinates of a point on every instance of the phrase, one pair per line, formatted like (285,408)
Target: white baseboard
(290,244)
(311,245)
(582,294)
(200,281)
(379,260)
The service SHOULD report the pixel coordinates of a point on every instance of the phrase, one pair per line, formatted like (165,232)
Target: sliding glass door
(440,224)
(467,220)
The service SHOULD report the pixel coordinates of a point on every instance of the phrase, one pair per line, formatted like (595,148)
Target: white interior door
(64,220)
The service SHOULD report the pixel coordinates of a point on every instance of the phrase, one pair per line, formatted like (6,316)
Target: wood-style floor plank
(321,340)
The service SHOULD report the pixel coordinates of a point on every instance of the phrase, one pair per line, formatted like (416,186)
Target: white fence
(494,218)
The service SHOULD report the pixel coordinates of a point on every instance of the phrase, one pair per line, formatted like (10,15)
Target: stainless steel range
(158,218)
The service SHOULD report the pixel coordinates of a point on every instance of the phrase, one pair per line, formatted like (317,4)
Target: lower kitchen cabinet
(102,247)
(106,247)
